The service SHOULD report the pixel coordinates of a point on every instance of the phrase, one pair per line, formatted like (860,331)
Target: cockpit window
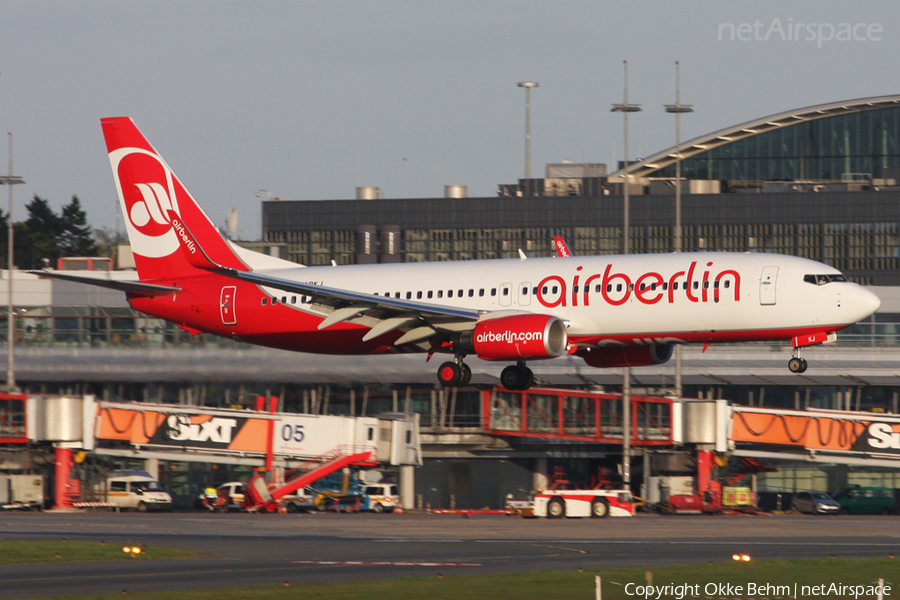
(823,279)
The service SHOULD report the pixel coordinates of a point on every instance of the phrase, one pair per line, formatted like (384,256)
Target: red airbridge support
(575,415)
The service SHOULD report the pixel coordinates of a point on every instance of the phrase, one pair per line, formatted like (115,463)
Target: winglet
(562,250)
(191,249)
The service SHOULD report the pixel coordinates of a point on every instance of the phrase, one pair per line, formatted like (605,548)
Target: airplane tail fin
(150,194)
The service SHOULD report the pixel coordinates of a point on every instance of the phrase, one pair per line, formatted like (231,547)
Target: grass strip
(14,552)
(564,585)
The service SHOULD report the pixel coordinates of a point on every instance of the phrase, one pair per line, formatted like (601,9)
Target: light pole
(528,85)
(678,108)
(10,180)
(626,108)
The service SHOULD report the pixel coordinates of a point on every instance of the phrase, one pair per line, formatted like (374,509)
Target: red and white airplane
(610,310)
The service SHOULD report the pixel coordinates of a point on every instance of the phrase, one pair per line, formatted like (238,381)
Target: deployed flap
(343,314)
(385,326)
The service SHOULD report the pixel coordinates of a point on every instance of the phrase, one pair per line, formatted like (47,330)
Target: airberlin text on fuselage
(648,288)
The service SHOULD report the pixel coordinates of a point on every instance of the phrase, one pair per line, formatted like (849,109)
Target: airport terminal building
(819,182)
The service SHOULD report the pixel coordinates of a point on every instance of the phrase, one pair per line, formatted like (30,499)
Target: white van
(382,497)
(136,490)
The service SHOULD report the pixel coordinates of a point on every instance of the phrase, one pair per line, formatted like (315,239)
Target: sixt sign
(879,437)
(199,431)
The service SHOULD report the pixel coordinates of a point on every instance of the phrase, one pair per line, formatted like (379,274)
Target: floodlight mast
(678,108)
(10,180)
(626,108)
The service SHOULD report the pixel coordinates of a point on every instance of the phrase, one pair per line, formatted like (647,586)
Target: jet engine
(626,356)
(517,337)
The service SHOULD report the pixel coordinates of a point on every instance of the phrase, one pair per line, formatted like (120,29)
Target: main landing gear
(797,364)
(517,377)
(455,373)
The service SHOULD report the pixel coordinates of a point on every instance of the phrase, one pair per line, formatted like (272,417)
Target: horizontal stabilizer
(132,287)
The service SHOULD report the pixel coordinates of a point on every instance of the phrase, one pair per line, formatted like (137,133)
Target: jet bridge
(815,435)
(270,440)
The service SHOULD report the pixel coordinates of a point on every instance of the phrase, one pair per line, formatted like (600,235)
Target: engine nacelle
(518,337)
(627,356)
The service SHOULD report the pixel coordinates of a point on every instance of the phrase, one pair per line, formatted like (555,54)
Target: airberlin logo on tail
(146,190)
(188,242)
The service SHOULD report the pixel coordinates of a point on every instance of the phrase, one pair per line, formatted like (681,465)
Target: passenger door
(226,305)
(767,285)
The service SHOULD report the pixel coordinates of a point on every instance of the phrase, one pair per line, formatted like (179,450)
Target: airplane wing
(383,314)
(420,321)
(132,287)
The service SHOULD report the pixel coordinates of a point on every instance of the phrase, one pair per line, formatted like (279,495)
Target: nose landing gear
(797,364)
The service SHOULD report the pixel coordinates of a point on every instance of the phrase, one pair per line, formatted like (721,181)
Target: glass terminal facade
(860,145)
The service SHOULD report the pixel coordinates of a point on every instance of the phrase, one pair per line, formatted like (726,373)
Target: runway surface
(244,549)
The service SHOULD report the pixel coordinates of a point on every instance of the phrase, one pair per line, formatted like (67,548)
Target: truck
(348,491)
(233,491)
(555,504)
(597,499)
(21,492)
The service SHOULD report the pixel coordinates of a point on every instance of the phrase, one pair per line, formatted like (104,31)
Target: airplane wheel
(511,378)
(803,366)
(450,374)
(518,378)
(466,376)
(795,365)
(529,378)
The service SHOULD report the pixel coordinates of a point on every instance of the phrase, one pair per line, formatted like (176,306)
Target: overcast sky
(310,99)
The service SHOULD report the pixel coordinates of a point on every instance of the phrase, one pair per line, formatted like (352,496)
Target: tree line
(47,235)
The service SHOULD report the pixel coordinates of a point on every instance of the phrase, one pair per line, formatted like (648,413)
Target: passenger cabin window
(440,293)
(274,301)
(449,293)
(430,294)
(265,301)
